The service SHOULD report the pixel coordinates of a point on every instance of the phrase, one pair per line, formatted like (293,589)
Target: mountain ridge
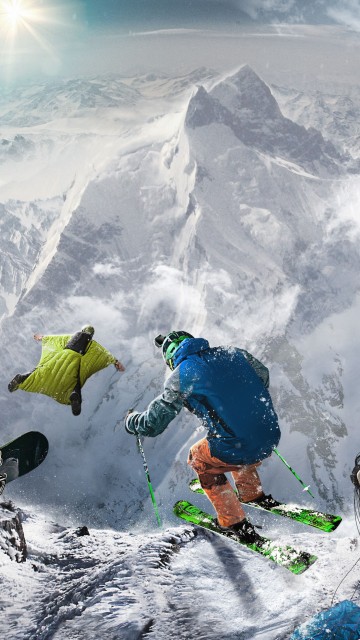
(245,104)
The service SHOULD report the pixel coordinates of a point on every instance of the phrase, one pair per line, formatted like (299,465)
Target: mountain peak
(243,95)
(246,90)
(202,109)
(243,102)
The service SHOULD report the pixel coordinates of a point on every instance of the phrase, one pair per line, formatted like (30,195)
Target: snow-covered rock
(12,539)
(173,582)
(336,114)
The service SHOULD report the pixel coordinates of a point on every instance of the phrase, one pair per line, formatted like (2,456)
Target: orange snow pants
(211,472)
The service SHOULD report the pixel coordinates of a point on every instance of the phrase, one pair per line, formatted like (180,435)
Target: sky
(188,12)
(47,38)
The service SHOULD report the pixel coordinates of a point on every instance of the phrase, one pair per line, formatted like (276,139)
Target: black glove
(131,421)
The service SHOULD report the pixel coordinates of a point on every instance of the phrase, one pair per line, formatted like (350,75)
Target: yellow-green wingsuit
(59,369)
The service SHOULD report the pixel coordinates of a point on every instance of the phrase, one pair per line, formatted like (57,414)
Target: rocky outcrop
(12,539)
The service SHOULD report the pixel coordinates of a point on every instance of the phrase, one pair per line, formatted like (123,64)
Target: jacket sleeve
(160,412)
(261,370)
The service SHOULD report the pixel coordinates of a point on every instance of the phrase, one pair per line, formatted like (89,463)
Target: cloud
(254,8)
(170,298)
(106,269)
(81,310)
(347,13)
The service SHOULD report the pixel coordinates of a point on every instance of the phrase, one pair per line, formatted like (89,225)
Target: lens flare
(31,28)
(14,13)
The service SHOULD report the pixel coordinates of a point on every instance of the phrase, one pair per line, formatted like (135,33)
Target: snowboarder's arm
(157,416)
(119,366)
(261,370)
(38,337)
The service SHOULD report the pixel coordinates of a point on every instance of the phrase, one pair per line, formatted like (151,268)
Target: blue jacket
(226,388)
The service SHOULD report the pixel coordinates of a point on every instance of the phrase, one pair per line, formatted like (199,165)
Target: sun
(15,13)
(14,10)
(24,19)
(31,28)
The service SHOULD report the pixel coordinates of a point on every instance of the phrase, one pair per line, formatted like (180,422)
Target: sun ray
(14,13)
(38,38)
(30,27)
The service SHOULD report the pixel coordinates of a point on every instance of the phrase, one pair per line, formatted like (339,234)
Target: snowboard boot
(75,401)
(266,502)
(3,478)
(18,379)
(10,466)
(243,530)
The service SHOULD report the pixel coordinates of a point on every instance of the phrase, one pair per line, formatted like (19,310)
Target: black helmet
(87,328)
(170,343)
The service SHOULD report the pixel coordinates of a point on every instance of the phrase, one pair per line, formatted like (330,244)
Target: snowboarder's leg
(211,472)
(247,482)
(76,399)
(18,379)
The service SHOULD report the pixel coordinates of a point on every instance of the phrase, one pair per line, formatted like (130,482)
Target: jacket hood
(188,347)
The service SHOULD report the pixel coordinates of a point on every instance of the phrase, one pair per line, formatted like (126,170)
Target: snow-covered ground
(169,583)
(222,203)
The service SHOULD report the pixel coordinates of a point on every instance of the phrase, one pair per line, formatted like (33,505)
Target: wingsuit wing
(95,359)
(59,369)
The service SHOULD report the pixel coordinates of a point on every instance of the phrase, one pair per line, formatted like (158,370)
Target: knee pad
(208,480)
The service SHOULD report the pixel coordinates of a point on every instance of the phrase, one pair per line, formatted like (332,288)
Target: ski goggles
(169,344)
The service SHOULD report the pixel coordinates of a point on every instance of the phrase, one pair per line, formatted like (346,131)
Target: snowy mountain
(149,204)
(336,116)
(64,99)
(245,104)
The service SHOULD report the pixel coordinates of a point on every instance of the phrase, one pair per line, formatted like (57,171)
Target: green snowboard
(30,449)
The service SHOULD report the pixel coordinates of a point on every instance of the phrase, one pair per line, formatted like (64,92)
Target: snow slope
(173,583)
(147,204)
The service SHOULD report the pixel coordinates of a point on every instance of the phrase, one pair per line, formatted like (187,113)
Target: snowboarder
(227,389)
(66,362)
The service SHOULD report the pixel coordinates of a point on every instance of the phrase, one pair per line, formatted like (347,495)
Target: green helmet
(170,343)
(87,328)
